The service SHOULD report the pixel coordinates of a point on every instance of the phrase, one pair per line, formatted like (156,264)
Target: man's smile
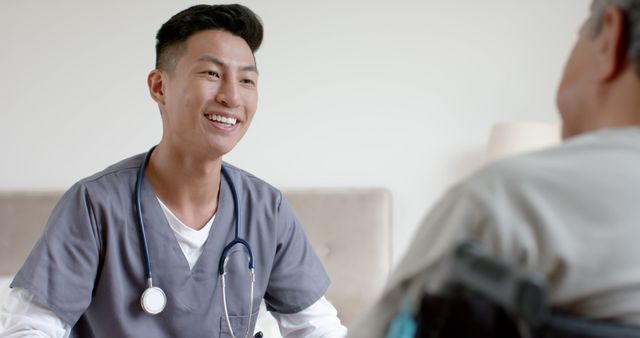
(231,121)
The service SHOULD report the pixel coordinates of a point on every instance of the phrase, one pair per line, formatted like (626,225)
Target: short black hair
(235,19)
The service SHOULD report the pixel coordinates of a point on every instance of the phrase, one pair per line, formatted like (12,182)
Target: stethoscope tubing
(223,257)
(236,239)
(141,228)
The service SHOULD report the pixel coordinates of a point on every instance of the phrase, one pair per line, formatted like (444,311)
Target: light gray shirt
(570,213)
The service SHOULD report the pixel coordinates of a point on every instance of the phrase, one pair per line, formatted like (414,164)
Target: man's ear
(610,44)
(156,81)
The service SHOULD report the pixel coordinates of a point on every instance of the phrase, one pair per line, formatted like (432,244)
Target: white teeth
(219,118)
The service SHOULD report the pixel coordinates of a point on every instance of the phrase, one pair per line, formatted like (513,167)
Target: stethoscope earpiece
(153,300)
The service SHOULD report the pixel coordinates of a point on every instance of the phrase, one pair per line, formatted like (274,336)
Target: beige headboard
(349,228)
(23,216)
(351,232)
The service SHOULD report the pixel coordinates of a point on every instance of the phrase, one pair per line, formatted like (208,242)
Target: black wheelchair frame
(489,298)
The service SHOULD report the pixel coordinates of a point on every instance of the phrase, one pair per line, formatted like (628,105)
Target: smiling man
(147,246)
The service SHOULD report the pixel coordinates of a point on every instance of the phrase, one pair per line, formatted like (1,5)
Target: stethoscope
(153,299)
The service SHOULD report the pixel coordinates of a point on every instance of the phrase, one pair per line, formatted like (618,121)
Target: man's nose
(228,93)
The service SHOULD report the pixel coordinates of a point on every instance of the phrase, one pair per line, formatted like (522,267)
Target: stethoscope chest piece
(153,300)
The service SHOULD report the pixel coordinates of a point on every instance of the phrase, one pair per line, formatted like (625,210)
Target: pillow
(5,280)
(267,324)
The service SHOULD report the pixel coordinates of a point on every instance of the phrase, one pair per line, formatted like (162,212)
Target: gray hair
(631,11)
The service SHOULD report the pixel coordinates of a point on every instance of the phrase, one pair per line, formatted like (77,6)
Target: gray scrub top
(88,266)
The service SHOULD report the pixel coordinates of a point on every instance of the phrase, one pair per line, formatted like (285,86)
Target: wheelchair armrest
(521,294)
(563,326)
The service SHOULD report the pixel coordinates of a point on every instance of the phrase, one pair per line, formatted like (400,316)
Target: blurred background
(353,93)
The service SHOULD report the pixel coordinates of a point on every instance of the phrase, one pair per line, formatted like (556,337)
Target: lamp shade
(516,137)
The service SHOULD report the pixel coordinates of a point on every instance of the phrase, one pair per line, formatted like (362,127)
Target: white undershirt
(22,315)
(191,241)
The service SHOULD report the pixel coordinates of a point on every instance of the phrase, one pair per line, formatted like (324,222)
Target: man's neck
(186,183)
(621,101)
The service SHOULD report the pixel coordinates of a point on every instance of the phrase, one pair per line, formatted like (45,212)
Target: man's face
(211,95)
(577,87)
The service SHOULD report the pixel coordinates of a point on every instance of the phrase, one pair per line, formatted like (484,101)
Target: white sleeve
(320,320)
(22,316)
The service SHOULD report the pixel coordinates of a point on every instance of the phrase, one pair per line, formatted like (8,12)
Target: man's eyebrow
(215,60)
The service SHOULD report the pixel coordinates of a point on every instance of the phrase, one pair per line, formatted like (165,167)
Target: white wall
(398,94)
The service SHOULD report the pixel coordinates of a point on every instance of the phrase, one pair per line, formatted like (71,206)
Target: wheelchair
(488,298)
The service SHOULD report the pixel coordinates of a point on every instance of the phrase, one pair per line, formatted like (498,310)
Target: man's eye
(212,73)
(248,82)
